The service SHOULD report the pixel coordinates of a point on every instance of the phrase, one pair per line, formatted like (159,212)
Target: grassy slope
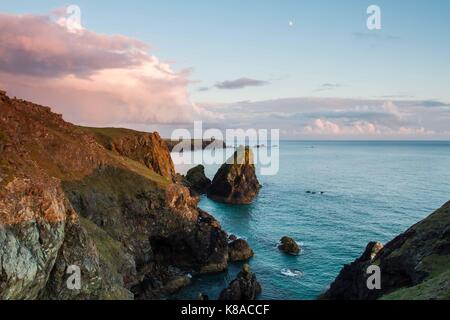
(436,287)
(437,284)
(106,135)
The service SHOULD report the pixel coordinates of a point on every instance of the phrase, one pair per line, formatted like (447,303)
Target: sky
(309,68)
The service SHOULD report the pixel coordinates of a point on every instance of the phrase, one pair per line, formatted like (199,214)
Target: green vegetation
(105,136)
(436,288)
(437,285)
(141,170)
(111,251)
(3,137)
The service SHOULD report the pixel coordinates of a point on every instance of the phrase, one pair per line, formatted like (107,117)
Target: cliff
(415,265)
(146,148)
(102,202)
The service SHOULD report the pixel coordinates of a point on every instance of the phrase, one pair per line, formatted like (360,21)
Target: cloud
(90,78)
(328,86)
(329,118)
(240,84)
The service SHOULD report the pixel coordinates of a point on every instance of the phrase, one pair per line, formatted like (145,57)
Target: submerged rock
(289,246)
(239,250)
(236,182)
(415,265)
(244,287)
(197,180)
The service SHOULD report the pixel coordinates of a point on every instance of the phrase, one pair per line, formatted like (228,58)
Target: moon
(291,23)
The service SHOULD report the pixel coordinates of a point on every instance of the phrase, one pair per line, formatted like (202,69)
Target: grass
(3,137)
(141,170)
(105,136)
(436,287)
(110,250)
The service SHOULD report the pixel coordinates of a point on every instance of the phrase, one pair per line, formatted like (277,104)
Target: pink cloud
(90,78)
(326,127)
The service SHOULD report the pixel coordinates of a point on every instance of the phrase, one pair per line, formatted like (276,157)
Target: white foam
(291,273)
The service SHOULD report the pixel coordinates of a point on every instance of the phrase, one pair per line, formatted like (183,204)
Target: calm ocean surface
(373,191)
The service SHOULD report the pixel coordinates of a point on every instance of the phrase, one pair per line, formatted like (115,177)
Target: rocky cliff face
(415,265)
(146,148)
(66,200)
(236,180)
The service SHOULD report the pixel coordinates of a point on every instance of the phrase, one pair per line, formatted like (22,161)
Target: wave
(291,273)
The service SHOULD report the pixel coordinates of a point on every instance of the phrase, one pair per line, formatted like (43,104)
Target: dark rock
(244,287)
(232,237)
(288,245)
(197,180)
(203,297)
(236,182)
(413,265)
(239,250)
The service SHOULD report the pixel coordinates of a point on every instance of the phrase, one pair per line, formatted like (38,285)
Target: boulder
(239,250)
(244,287)
(236,182)
(288,245)
(197,181)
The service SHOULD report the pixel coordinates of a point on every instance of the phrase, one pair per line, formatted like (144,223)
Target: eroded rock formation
(244,287)
(197,181)
(236,182)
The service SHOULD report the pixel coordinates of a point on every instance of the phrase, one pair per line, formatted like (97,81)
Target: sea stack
(197,180)
(244,287)
(236,182)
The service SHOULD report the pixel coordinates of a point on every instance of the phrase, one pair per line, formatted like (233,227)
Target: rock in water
(415,265)
(239,250)
(236,180)
(289,246)
(244,287)
(197,180)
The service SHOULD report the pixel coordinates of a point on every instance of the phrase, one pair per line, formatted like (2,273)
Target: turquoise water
(373,191)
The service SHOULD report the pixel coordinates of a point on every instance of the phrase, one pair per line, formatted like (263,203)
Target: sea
(332,197)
